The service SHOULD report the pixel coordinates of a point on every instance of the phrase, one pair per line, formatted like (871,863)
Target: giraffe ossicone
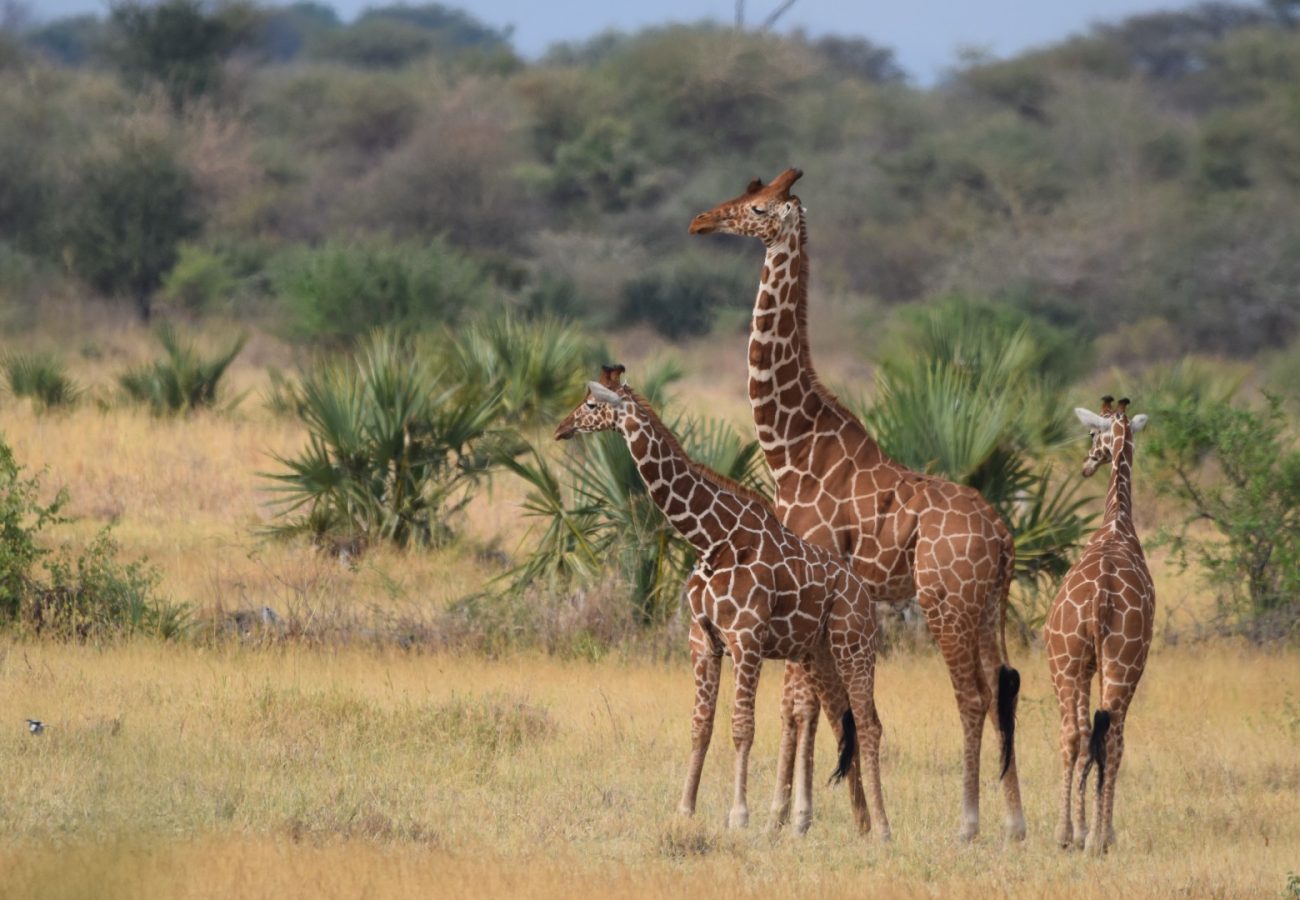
(757,592)
(909,535)
(1100,625)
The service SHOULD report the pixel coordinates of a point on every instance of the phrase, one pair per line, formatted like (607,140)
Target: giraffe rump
(1097,750)
(1008,692)
(848,747)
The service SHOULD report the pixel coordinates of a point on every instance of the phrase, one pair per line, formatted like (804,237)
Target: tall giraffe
(1100,623)
(758,591)
(907,534)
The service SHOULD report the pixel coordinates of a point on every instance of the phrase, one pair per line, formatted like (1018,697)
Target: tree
(177,44)
(133,208)
(1239,470)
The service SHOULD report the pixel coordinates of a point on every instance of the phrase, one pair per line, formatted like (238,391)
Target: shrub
(681,298)
(89,595)
(22,518)
(42,377)
(395,447)
(183,380)
(537,367)
(341,290)
(92,595)
(1239,470)
(200,280)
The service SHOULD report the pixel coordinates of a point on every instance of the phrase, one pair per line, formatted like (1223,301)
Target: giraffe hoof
(968,832)
(1064,837)
(739,818)
(1016,830)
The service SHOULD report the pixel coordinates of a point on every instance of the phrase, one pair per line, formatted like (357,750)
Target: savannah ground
(326,760)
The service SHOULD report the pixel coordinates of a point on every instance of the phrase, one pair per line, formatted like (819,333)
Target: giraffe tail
(1008,694)
(848,747)
(1097,750)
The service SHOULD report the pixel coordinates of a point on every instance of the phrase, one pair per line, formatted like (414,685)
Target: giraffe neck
(681,489)
(1119,493)
(783,389)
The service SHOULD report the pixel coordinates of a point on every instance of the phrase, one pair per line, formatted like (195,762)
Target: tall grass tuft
(183,380)
(43,377)
(538,365)
(396,447)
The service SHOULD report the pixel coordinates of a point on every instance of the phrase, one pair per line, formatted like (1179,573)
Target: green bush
(342,290)
(22,518)
(396,447)
(1238,469)
(41,376)
(201,281)
(87,596)
(92,595)
(183,380)
(682,297)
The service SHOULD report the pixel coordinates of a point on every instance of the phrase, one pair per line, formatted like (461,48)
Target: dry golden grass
(181,772)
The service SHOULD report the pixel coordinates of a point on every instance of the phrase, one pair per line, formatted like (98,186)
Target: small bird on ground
(35,726)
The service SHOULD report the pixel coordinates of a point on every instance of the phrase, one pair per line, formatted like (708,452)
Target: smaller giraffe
(1100,623)
(758,592)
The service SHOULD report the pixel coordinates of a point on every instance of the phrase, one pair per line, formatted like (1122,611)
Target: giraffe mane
(805,348)
(717,479)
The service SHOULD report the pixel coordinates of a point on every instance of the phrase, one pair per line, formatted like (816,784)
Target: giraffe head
(1110,429)
(765,211)
(601,408)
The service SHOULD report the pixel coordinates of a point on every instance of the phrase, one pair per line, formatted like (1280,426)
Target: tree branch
(776,14)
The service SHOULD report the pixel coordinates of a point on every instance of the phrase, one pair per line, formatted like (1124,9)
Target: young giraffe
(758,591)
(907,534)
(1100,623)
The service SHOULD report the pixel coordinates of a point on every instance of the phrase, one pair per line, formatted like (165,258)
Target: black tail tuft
(1097,749)
(848,747)
(1008,692)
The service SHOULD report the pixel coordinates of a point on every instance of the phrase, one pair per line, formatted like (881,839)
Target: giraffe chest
(779,605)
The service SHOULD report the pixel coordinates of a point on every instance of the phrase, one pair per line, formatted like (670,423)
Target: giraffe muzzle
(703,224)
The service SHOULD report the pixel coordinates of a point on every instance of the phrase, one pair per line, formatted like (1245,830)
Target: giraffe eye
(591,404)
(758,210)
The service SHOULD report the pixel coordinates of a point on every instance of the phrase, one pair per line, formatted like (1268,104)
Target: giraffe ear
(604,394)
(1090,419)
(1138,422)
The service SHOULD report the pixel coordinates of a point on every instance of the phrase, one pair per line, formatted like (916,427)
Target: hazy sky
(923,33)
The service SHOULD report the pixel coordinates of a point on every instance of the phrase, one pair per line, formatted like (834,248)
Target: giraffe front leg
(786,754)
(706,661)
(748,662)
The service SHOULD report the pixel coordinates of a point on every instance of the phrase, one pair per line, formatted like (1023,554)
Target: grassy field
(351,768)
(175,771)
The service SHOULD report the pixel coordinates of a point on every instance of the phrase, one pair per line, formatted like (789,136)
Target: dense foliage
(1152,160)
